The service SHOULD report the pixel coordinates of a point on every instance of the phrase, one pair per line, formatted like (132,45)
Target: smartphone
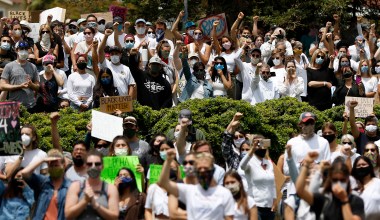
(265,143)
(272,73)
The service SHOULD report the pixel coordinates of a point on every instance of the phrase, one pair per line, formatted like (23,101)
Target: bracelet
(345,202)
(324,83)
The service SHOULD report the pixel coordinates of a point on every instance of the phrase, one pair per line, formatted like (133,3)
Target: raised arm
(95,58)
(28,170)
(175,31)
(54,117)
(164,181)
(181,141)
(254,28)
(330,43)
(102,46)
(229,154)
(176,59)
(215,41)
(354,129)
(371,43)
(302,192)
(116,33)
(235,26)
(345,121)
(336,24)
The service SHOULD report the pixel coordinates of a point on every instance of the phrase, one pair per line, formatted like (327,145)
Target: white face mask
(151,35)
(238,142)
(276,62)
(115,59)
(25,139)
(255,61)
(140,30)
(121,152)
(17,33)
(191,33)
(23,54)
(307,131)
(371,128)
(378,44)
(233,187)
(342,184)
(176,134)
(377,69)
(45,37)
(227,45)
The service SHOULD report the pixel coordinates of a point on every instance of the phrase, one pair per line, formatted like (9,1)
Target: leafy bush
(275,119)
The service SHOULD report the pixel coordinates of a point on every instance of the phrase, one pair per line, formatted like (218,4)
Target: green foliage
(275,119)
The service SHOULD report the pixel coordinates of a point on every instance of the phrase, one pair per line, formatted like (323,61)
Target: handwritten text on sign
(155,172)
(112,165)
(20,15)
(206,25)
(110,104)
(10,139)
(364,108)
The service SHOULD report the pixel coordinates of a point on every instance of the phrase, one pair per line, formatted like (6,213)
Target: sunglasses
(265,72)
(276,58)
(185,162)
(319,56)
(197,33)
(349,143)
(336,180)
(43,32)
(92,164)
(256,56)
(216,63)
(372,150)
(129,41)
(150,32)
(102,145)
(87,33)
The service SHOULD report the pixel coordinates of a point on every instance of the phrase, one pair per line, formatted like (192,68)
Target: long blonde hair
(314,57)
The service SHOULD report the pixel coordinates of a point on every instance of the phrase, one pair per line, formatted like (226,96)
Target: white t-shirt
(214,203)
(72,175)
(301,71)
(157,200)
(370,84)
(240,213)
(247,71)
(230,59)
(80,85)
(111,40)
(30,156)
(150,41)
(371,197)
(199,92)
(218,87)
(122,76)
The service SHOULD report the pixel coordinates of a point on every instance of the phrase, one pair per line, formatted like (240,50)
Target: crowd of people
(74,64)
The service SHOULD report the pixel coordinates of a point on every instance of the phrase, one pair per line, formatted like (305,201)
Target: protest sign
(10,138)
(155,172)
(206,25)
(106,126)
(112,165)
(35,31)
(57,12)
(20,15)
(106,15)
(110,104)
(118,11)
(364,108)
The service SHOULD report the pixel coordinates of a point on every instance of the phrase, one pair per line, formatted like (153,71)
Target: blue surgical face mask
(129,45)
(92,24)
(219,67)
(5,45)
(163,155)
(319,61)
(106,81)
(364,69)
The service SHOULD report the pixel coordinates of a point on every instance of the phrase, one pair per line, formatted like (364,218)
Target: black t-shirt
(333,208)
(7,58)
(320,97)
(341,93)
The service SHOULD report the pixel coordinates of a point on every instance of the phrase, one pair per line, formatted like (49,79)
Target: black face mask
(362,172)
(173,175)
(129,133)
(156,148)
(78,161)
(200,74)
(329,137)
(347,75)
(82,66)
(205,178)
(261,153)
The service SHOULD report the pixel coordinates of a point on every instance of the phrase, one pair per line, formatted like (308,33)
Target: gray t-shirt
(139,148)
(72,175)
(16,74)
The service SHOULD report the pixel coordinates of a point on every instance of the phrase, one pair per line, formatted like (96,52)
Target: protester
(347,87)
(104,86)
(347,150)
(132,202)
(92,198)
(372,153)
(220,77)
(329,133)
(302,63)
(199,46)
(263,87)
(292,85)
(120,147)
(137,146)
(336,200)
(78,171)
(45,45)
(206,205)
(51,191)
(153,155)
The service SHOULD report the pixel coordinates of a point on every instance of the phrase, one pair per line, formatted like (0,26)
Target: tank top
(102,199)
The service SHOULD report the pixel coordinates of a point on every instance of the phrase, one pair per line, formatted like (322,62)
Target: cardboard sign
(57,12)
(20,15)
(364,107)
(106,126)
(10,138)
(110,104)
(155,172)
(106,15)
(112,165)
(206,25)
(35,31)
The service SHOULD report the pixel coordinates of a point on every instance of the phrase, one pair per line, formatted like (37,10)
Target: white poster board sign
(57,12)
(364,107)
(35,31)
(106,126)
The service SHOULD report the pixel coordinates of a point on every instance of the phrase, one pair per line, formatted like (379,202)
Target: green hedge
(275,119)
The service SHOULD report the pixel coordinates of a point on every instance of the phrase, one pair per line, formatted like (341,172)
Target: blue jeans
(265,213)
